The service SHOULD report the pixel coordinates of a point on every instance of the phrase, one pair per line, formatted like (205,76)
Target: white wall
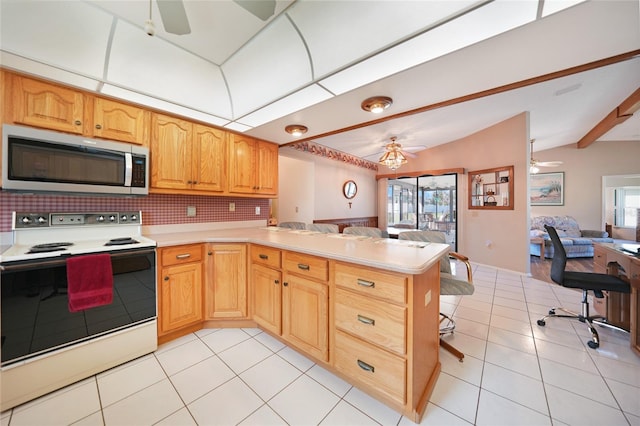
(324,187)
(296,201)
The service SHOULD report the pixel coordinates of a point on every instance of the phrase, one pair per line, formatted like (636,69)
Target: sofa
(576,242)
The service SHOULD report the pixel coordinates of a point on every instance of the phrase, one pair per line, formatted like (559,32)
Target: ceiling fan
(394,155)
(534,165)
(175,21)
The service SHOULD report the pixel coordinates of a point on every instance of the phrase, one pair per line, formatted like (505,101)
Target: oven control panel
(46,220)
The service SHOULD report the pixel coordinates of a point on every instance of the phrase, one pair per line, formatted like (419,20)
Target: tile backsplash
(157,209)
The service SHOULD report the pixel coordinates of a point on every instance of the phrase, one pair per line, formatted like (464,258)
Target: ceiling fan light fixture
(393,158)
(296,130)
(376,104)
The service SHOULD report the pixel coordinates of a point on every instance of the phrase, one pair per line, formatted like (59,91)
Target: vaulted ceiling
(313,62)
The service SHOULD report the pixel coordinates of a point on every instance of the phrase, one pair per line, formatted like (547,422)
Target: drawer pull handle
(183,256)
(263,256)
(365,366)
(303,266)
(365,283)
(365,320)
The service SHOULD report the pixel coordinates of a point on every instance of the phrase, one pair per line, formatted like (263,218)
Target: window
(627,203)
(425,202)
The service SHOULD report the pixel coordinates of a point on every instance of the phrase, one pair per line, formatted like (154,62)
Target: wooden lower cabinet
(226,281)
(180,287)
(290,298)
(305,315)
(384,333)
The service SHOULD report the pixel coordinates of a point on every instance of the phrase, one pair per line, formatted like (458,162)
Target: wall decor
(547,189)
(491,189)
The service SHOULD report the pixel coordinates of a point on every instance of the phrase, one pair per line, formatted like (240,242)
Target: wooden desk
(621,308)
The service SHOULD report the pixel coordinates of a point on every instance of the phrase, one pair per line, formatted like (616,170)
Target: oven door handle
(62,260)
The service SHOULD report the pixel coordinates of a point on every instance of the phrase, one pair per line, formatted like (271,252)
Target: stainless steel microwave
(35,160)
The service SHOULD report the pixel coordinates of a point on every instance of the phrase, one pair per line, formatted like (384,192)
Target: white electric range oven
(45,344)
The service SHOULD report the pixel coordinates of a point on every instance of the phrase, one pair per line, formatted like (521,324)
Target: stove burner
(121,241)
(48,247)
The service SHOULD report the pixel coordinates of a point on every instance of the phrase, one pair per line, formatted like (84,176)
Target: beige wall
(583,175)
(492,237)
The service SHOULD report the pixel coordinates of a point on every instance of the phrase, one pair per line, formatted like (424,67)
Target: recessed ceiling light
(296,130)
(376,104)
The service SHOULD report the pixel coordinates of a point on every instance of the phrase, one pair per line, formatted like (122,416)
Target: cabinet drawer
(372,282)
(373,320)
(181,254)
(266,256)
(307,266)
(379,370)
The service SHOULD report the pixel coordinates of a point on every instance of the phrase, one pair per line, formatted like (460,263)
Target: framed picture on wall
(547,189)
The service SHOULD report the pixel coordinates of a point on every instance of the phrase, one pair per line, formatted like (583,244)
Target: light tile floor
(514,373)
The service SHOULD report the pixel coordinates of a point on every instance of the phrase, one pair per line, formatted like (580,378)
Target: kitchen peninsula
(365,308)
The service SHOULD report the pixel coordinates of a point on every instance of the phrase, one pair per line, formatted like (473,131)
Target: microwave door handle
(128,168)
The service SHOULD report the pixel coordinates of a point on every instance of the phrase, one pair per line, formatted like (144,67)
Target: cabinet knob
(209,253)
(166,278)
(98,126)
(276,282)
(286,284)
(77,122)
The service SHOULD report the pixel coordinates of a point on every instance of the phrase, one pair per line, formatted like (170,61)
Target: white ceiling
(313,62)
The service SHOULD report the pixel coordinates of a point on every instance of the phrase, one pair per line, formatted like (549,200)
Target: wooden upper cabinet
(253,166)
(46,105)
(267,169)
(242,170)
(170,152)
(209,159)
(122,122)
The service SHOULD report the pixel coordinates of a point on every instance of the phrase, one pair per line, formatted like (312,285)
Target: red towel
(89,281)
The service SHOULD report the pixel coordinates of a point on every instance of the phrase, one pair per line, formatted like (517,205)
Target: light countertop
(409,257)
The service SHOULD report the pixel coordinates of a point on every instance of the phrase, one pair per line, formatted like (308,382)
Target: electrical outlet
(427,298)
(232,207)
(191,211)
(257,210)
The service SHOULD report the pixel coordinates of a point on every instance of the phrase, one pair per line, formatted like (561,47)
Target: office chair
(584,281)
(450,285)
(293,225)
(368,231)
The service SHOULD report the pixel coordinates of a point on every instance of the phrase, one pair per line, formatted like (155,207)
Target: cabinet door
(266,297)
(226,281)
(121,122)
(170,152)
(305,315)
(44,105)
(180,296)
(267,168)
(209,159)
(242,167)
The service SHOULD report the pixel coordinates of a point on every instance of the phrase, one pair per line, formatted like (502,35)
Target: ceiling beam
(619,115)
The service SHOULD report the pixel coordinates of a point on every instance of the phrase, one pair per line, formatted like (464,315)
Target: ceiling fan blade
(174,17)
(263,9)
(548,163)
